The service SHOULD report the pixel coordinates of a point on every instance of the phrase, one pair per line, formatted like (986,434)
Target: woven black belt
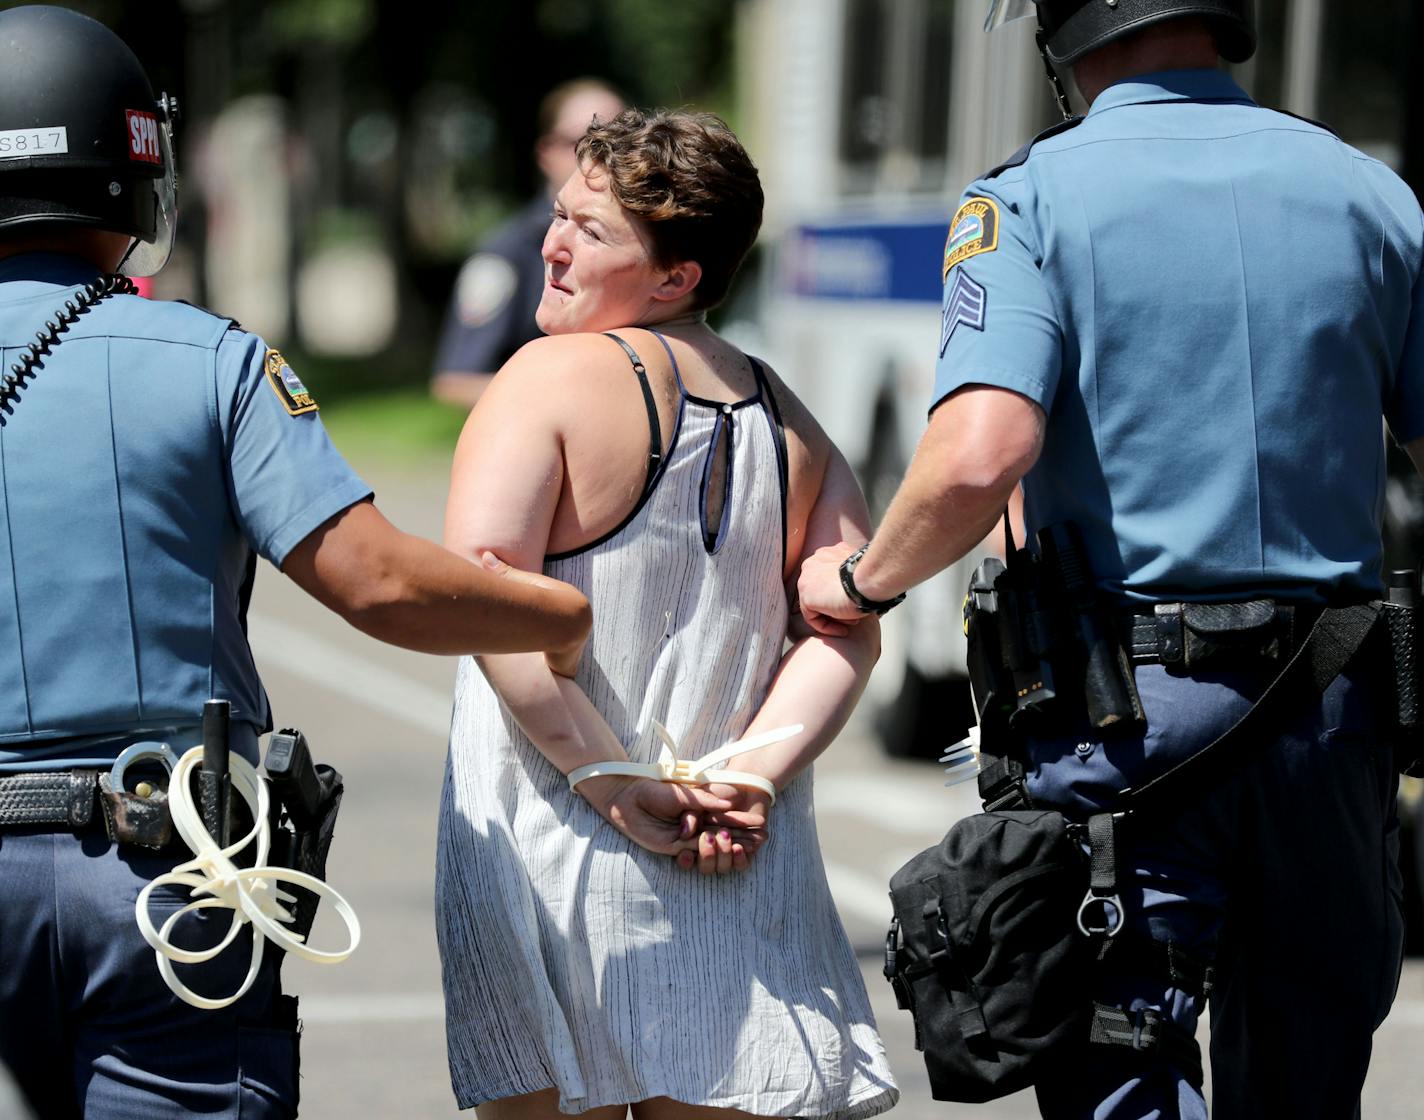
(1190,634)
(53,797)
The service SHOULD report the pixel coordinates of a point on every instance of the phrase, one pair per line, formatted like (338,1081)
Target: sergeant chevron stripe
(965,304)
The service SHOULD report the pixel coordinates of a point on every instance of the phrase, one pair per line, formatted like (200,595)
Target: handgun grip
(293,775)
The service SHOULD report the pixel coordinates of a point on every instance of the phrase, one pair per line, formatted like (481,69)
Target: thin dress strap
(655,431)
(676,373)
(778,431)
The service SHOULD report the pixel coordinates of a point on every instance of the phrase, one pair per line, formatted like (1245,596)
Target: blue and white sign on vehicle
(871,261)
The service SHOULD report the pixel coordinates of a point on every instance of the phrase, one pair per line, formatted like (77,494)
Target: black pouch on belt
(985,953)
(1224,633)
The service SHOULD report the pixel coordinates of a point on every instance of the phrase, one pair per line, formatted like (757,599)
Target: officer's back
(118,504)
(1234,286)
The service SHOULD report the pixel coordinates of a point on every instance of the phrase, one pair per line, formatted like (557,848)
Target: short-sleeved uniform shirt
(155,454)
(1215,304)
(496,294)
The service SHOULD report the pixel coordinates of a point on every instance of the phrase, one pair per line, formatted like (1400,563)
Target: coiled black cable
(23,371)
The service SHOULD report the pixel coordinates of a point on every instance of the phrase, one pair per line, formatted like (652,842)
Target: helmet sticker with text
(143,136)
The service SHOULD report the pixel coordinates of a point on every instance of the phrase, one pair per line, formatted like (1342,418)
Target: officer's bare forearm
(411,592)
(979,444)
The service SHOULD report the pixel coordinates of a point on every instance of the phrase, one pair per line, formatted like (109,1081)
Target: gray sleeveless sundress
(573,959)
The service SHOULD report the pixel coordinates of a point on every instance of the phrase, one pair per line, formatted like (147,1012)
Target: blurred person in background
(498,290)
(149,453)
(595,959)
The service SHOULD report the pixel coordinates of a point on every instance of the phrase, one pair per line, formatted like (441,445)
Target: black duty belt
(65,800)
(52,797)
(1196,634)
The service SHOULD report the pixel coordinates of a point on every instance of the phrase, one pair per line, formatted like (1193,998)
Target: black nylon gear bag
(987,955)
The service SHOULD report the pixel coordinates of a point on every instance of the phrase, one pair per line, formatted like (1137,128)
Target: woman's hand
(729,837)
(563,661)
(660,816)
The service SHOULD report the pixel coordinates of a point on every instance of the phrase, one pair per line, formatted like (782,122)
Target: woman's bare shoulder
(560,372)
(561,355)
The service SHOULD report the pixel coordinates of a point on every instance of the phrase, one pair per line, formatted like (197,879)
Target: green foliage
(334,22)
(404,427)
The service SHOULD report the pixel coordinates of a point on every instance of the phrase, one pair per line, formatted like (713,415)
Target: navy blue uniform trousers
(1286,874)
(87,1026)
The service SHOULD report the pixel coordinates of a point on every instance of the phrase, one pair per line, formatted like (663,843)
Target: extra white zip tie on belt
(215,881)
(962,758)
(693,772)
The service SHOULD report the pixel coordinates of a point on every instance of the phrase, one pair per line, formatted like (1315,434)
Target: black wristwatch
(868,606)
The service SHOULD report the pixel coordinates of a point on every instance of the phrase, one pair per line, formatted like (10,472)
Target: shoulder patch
(295,397)
(974,230)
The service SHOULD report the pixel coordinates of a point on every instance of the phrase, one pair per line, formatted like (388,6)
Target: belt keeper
(81,797)
(1169,632)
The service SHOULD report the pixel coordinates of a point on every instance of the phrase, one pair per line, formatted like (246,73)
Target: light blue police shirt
(155,454)
(1215,304)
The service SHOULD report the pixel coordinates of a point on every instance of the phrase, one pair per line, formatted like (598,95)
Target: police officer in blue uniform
(149,452)
(1179,321)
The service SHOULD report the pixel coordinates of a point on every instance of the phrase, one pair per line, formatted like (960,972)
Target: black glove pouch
(986,954)
(1227,633)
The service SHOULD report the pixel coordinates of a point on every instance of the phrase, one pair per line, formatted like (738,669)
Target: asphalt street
(374,1036)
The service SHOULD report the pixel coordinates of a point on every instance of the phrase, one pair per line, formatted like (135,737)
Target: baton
(214,781)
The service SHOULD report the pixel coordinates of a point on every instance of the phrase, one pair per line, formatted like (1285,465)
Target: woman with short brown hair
(616,940)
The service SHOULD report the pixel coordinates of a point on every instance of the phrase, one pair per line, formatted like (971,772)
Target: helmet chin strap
(133,244)
(1060,94)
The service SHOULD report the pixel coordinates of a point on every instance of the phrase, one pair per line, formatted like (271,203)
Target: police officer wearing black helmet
(1179,321)
(149,452)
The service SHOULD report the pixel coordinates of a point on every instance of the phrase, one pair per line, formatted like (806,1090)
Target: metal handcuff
(693,772)
(214,881)
(140,752)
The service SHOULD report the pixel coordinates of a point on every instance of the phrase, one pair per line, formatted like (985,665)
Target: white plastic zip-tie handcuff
(215,881)
(962,758)
(693,772)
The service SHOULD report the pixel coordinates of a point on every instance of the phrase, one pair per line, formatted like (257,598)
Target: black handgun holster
(306,849)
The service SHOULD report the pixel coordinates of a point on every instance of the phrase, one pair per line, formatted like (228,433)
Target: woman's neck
(680,320)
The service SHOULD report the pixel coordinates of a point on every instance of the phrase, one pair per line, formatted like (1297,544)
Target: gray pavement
(374,1038)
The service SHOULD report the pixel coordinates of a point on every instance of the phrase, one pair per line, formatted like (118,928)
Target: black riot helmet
(1072,28)
(1069,29)
(83,140)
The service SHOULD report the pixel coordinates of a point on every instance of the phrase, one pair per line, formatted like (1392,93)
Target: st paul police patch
(295,396)
(963,306)
(975,230)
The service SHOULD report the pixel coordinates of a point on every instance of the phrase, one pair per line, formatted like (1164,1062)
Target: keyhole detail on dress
(717,482)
